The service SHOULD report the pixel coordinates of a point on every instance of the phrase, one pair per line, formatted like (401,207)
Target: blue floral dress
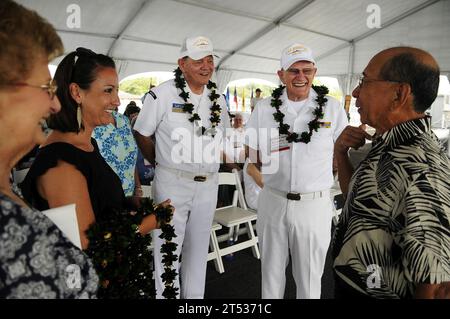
(119,149)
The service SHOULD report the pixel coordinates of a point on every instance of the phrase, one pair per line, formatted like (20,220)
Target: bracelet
(138,190)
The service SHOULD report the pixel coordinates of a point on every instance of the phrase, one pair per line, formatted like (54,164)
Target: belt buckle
(200,178)
(293,196)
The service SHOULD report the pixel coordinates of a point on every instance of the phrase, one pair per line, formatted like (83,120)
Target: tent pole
(351,66)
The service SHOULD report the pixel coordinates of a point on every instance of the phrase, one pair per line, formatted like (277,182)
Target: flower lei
(163,218)
(313,125)
(121,255)
(215,108)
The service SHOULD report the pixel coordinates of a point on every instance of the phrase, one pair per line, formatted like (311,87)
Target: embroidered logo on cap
(201,42)
(296,49)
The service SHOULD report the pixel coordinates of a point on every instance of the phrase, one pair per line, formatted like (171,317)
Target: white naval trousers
(195,204)
(301,228)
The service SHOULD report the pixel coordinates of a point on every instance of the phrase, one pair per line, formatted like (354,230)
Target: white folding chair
(241,196)
(242,202)
(233,216)
(213,243)
(215,249)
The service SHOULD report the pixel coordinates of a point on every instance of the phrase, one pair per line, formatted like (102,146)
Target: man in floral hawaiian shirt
(393,238)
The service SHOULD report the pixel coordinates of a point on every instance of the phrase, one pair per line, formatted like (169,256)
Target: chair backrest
(229,179)
(240,190)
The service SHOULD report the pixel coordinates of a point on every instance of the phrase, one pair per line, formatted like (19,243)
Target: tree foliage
(265,90)
(138,86)
(336,93)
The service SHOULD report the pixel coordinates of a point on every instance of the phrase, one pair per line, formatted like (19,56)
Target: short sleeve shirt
(178,142)
(297,167)
(394,231)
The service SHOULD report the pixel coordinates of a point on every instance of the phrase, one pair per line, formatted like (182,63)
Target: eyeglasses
(306,72)
(363,79)
(50,87)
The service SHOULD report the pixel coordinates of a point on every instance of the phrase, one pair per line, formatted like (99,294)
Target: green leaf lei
(121,255)
(313,125)
(215,108)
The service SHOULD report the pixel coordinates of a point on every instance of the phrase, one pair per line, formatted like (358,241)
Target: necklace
(313,125)
(215,108)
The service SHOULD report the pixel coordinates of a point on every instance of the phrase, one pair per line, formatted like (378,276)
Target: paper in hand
(65,218)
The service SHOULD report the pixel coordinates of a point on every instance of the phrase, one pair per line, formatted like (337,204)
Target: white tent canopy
(145,35)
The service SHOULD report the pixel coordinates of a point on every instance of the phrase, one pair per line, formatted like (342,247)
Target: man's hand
(436,291)
(146,146)
(351,136)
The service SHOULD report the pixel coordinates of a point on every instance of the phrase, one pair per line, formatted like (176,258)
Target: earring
(79,118)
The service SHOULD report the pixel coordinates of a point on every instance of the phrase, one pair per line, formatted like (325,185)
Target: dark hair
(24,36)
(258,90)
(80,67)
(423,78)
(130,109)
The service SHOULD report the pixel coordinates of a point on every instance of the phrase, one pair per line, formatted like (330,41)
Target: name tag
(177,108)
(325,124)
(279,144)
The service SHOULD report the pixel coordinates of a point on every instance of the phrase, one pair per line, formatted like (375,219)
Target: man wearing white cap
(188,118)
(294,207)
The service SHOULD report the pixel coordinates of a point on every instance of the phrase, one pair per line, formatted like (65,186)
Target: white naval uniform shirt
(178,145)
(303,168)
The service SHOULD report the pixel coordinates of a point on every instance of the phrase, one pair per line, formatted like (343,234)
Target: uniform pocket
(178,117)
(322,142)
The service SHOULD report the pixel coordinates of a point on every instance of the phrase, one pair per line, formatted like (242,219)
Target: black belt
(293,196)
(200,178)
(188,175)
(298,196)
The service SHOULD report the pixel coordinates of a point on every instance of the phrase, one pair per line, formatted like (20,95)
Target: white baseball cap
(197,48)
(294,53)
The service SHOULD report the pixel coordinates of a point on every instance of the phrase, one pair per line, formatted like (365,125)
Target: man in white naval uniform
(294,207)
(186,162)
